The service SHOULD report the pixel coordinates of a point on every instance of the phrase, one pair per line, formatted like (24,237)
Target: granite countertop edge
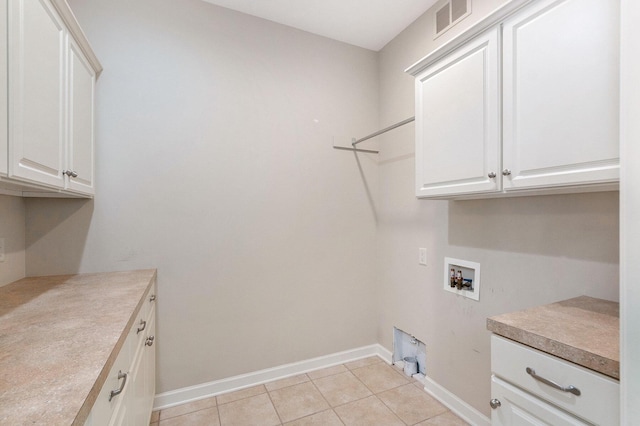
(561,350)
(553,345)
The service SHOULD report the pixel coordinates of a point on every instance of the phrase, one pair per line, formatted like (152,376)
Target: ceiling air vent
(450,13)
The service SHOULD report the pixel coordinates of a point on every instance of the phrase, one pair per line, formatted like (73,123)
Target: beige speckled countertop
(583,330)
(59,336)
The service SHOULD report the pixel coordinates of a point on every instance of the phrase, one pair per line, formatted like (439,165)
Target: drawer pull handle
(113,393)
(143,323)
(571,389)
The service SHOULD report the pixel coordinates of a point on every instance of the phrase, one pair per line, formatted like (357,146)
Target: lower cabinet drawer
(595,398)
(517,407)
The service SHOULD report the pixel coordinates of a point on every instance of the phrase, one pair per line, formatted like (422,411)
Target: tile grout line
(332,408)
(325,399)
(274,405)
(392,410)
(187,413)
(218,411)
(376,394)
(240,399)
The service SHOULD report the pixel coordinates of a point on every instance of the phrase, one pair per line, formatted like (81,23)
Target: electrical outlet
(1,249)
(422,256)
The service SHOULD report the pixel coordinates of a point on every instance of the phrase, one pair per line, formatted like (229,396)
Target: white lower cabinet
(143,377)
(515,407)
(530,387)
(126,398)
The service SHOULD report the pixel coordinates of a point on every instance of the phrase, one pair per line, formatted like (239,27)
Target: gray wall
(215,165)
(12,229)
(532,250)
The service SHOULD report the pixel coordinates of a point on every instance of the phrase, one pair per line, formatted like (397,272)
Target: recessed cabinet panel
(561,94)
(81,109)
(36,91)
(457,121)
(452,96)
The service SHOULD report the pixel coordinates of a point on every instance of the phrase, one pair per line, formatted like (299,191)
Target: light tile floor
(366,392)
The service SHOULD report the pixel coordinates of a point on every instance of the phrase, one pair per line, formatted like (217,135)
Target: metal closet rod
(354,142)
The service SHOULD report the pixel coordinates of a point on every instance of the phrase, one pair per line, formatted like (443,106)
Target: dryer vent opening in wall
(409,353)
(450,13)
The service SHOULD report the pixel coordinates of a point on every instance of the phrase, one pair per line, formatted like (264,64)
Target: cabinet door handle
(491,175)
(495,403)
(506,172)
(149,341)
(152,298)
(571,389)
(118,391)
(70,173)
(143,323)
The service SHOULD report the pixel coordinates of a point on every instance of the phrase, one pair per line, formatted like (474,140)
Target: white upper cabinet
(3,92)
(457,121)
(525,102)
(560,94)
(82,79)
(36,92)
(50,102)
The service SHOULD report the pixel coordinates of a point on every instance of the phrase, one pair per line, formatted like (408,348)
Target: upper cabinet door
(560,94)
(458,121)
(80,153)
(37,42)
(3,90)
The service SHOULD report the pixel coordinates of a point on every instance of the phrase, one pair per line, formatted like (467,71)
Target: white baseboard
(206,390)
(455,404)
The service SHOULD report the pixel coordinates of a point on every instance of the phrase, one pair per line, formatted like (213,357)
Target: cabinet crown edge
(483,24)
(62,7)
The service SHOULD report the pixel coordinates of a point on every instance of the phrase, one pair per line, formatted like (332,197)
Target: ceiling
(366,23)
